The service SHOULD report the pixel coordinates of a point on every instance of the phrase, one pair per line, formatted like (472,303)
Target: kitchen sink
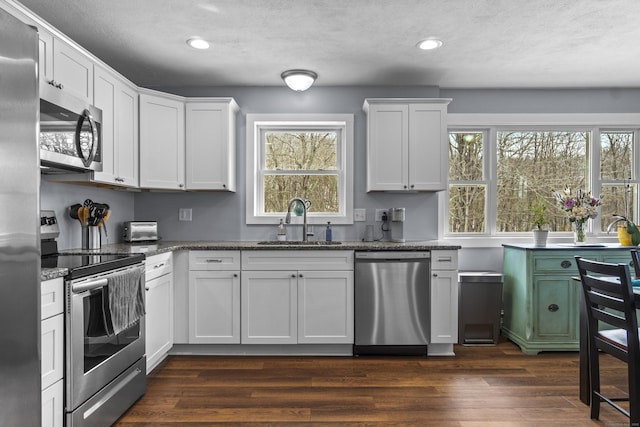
(298,242)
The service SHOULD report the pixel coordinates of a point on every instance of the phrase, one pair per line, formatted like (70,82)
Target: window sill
(525,238)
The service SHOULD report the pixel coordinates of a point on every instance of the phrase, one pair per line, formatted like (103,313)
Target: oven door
(95,354)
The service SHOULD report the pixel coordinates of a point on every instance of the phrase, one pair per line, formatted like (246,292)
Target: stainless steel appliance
(70,132)
(140,231)
(20,392)
(392,302)
(396,217)
(104,330)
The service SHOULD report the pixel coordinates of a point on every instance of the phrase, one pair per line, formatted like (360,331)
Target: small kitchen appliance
(396,217)
(140,231)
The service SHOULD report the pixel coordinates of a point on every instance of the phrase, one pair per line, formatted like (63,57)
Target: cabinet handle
(235,274)
(412,185)
(301,275)
(565,264)
(293,276)
(444,259)
(435,274)
(180,185)
(146,289)
(224,185)
(213,260)
(158,265)
(553,308)
(405,187)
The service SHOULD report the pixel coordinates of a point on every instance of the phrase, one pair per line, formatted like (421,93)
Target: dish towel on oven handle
(126,300)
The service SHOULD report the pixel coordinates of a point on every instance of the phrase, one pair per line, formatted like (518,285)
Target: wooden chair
(609,300)
(635,258)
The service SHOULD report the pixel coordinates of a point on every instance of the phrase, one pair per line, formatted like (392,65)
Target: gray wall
(220,216)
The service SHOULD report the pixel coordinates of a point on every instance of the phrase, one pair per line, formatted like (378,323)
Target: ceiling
(487,43)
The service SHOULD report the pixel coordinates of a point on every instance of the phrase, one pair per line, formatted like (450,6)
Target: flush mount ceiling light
(429,44)
(198,43)
(299,80)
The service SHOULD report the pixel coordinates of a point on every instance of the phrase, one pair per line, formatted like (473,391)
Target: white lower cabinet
(269,307)
(52,354)
(214,297)
(444,297)
(297,297)
(159,308)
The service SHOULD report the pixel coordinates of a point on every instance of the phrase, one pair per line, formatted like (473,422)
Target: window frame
(258,124)
(491,124)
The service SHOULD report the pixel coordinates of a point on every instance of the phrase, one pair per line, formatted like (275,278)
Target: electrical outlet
(185,214)
(379,213)
(359,214)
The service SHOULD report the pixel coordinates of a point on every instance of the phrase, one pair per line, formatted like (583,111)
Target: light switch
(359,214)
(184,214)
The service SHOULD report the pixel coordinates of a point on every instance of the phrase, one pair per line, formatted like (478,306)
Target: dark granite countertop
(150,249)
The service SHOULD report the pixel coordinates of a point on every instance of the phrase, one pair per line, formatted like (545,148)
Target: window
(501,165)
(303,155)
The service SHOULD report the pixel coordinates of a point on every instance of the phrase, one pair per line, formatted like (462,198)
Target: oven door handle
(89,285)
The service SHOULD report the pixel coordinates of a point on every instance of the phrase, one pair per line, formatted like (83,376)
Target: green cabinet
(540,298)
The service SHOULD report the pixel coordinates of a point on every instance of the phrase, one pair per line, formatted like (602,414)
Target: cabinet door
(73,70)
(428,148)
(45,56)
(444,307)
(52,342)
(52,405)
(126,136)
(269,307)
(325,307)
(104,98)
(214,307)
(159,319)
(555,308)
(387,147)
(210,133)
(161,143)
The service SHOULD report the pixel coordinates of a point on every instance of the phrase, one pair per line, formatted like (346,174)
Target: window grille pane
(618,200)
(321,190)
(467,208)
(465,156)
(301,150)
(533,164)
(616,155)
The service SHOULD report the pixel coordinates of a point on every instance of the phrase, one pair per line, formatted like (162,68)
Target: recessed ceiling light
(429,44)
(198,43)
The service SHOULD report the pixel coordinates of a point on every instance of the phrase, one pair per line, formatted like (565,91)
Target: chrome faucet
(304,213)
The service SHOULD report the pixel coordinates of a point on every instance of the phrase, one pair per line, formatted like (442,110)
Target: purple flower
(569,204)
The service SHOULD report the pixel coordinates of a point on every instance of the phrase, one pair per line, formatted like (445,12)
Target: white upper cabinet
(406,144)
(162,142)
(72,71)
(211,144)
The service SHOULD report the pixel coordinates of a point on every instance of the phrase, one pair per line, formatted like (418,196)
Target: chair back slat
(609,300)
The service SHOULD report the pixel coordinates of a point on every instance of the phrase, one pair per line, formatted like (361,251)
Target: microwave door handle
(86,114)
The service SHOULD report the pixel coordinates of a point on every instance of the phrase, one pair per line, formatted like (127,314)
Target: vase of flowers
(579,207)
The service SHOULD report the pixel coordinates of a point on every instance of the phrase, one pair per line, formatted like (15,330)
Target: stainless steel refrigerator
(20,401)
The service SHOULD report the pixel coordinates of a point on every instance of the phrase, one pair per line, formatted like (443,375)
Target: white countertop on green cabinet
(568,246)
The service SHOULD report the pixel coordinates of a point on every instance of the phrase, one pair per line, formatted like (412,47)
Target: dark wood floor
(495,386)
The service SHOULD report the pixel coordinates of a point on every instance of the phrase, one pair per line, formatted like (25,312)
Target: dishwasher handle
(392,256)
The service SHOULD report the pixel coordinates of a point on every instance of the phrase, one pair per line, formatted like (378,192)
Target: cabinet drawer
(444,260)
(51,297)
(214,260)
(555,263)
(316,260)
(158,265)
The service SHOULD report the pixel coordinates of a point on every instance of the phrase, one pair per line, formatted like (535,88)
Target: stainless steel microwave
(70,132)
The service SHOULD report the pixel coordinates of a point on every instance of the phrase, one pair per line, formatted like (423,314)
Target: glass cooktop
(87,265)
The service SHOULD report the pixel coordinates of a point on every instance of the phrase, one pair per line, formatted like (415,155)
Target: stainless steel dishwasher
(392,302)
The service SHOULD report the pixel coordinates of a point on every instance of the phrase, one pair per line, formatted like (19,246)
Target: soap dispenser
(282,233)
(328,235)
